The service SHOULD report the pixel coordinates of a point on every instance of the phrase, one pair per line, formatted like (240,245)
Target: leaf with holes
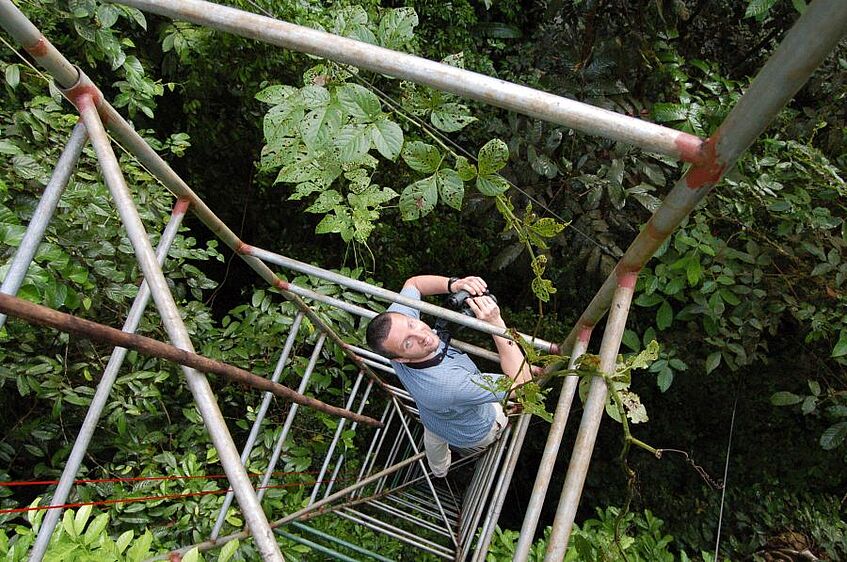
(359,102)
(492,157)
(492,184)
(451,189)
(465,169)
(353,142)
(421,157)
(418,199)
(451,117)
(387,137)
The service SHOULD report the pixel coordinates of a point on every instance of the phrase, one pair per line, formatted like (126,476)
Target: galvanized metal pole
(289,419)
(319,505)
(104,387)
(43,213)
(373,290)
(551,453)
(595,407)
(197,383)
(492,91)
(260,417)
(804,47)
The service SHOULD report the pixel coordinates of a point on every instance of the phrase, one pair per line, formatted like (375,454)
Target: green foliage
(642,539)
(78,538)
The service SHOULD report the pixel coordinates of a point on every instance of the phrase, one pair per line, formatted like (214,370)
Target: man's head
(402,338)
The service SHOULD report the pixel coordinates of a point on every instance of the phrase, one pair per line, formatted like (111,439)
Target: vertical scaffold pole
(104,387)
(289,419)
(551,451)
(43,213)
(804,47)
(260,417)
(197,383)
(595,407)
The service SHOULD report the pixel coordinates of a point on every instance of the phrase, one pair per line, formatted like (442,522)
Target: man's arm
(511,357)
(439,285)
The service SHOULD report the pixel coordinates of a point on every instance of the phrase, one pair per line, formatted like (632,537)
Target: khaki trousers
(438,450)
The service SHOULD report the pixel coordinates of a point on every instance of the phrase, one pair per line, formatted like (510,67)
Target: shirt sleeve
(412,293)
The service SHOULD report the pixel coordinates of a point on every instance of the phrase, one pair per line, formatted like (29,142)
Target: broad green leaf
(320,125)
(630,339)
(359,102)
(315,96)
(840,348)
(107,14)
(834,435)
(277,94)
(282,121)
(332,224)
(450,187)
(418,199)
(68,524)
(326,202)
(492,157)
(451,117)
(492,184)
(372,197)
(81,518)
(387,137)
(422,157)
(664,316)
(783,398)
(13,75)
(228,550)
(95,529)
(124,540)
(547,227)
(353,142)
(396,28)
(465,169)
(712,361)
(192,555)
(664,112)
(664,379)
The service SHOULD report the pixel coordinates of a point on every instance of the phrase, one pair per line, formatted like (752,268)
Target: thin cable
(726,472)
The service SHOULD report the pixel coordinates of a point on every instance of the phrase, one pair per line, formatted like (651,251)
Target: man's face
(410,339)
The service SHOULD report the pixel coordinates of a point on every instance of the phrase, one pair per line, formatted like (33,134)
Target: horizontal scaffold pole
(44,316)
(492,91)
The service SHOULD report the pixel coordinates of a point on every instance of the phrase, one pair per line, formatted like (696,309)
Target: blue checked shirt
(455,400)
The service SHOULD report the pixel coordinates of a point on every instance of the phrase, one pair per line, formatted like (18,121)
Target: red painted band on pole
(84,89)
(181,206)
(584,334)
(281,285)
(627,279)
(710,170)
(39,48)
(691,148)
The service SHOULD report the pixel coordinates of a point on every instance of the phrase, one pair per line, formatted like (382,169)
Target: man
(455,400)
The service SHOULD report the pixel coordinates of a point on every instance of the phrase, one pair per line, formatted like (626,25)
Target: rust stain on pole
(44,316)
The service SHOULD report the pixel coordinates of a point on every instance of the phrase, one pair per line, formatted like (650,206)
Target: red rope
(141,479)
(156,498)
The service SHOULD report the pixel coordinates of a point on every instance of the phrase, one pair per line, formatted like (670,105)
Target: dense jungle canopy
(382,179)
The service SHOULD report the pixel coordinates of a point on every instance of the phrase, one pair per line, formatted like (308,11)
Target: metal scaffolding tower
(393,492)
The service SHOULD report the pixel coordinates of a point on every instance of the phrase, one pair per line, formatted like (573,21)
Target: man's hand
(485,308)
(473,285)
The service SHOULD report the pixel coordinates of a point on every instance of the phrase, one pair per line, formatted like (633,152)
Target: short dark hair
(377,333)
